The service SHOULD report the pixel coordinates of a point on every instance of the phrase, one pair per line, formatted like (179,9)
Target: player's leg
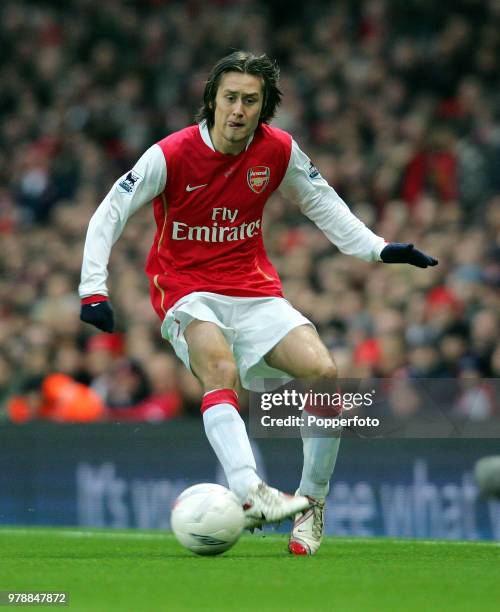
(212,361)
(213,364)
(302,354)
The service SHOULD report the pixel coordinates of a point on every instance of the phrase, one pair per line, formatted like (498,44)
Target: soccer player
(217,294)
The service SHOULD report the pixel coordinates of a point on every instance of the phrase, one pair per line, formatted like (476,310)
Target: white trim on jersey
(304,185)
(141,185)
(205,135)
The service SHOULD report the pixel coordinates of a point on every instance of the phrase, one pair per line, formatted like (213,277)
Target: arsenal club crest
(258,178)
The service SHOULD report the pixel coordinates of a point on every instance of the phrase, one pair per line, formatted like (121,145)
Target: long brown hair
(247,63)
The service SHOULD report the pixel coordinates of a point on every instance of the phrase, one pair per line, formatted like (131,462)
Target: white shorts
(251,326)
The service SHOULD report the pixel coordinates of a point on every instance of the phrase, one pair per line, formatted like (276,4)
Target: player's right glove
(97,311)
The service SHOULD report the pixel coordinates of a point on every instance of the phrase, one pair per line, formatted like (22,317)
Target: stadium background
(397,103)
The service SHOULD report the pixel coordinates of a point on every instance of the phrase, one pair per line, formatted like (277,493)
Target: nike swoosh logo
(94,305)
(189,188)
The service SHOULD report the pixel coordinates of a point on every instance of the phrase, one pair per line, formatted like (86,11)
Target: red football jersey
(209,218)
(208,209)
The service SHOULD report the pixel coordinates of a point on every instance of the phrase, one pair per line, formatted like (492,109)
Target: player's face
(238,104)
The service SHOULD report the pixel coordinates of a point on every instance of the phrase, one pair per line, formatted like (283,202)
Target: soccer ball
(487,474)
(207,519)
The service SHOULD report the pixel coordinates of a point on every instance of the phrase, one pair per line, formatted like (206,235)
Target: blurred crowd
(397,103)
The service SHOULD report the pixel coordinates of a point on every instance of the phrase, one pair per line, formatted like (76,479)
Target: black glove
(99,314)
(397,252)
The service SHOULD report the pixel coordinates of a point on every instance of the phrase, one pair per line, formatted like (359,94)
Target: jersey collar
(205,135)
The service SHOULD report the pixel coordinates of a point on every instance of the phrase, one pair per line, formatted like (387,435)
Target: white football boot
(267,505)
(307,530)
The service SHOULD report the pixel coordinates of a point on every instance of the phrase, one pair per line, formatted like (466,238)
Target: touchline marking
(189,188)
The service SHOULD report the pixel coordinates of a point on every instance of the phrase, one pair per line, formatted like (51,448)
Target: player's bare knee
(323,369)
(221,373)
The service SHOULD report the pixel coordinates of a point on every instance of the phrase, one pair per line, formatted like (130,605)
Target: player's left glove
(401,252)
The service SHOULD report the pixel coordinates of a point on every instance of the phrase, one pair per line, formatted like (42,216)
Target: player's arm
(137,187)
(304,185)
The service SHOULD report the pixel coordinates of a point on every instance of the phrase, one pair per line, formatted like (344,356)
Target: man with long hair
(218,296)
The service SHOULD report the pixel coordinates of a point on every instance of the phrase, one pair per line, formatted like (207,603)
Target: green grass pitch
(148,570)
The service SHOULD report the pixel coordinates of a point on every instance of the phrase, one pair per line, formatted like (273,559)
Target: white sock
(228,436)
(320,455)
